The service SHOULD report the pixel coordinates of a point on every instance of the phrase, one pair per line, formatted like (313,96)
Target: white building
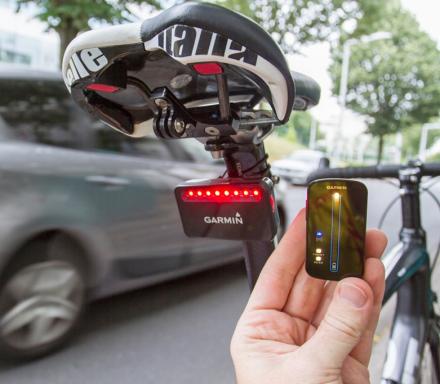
(24,41)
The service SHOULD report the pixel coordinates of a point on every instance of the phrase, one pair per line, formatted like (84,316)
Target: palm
(281,332)
(276,336)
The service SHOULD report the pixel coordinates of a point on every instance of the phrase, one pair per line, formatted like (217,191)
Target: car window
(107,139)
(37,111)
(195,150)
(42,111)
(150,147)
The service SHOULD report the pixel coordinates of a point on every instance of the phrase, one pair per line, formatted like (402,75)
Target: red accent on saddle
(208,68)
(102,88)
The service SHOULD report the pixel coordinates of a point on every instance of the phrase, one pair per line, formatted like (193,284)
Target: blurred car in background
(296,167)
(85,212)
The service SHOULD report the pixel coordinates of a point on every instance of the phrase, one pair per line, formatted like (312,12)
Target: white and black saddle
(192,71)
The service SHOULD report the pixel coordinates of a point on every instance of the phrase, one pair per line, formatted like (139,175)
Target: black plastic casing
(336,224)
(229,220)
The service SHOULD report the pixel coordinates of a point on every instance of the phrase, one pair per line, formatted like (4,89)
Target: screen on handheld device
(336,220)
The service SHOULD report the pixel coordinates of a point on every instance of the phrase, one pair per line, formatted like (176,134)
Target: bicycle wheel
(430,373)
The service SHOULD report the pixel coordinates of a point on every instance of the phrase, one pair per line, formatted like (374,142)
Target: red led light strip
(222,194)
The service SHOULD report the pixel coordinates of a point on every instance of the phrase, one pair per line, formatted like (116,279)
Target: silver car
(86,213)
(296,167)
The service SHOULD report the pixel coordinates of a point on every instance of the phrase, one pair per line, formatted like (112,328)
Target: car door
(127,198)
(134,183)
(150,239)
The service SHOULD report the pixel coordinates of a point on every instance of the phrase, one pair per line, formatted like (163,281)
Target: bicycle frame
(408,273)
(255,256)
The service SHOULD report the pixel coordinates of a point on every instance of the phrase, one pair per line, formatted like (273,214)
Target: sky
(427,13)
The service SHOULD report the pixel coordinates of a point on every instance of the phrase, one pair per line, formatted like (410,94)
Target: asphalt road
(179,332)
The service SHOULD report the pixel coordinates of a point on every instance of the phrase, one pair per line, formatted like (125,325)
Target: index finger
(276,279)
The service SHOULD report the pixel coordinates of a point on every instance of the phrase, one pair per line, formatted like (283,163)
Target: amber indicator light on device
(336,219)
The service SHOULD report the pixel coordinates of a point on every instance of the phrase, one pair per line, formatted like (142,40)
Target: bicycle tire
(427,375)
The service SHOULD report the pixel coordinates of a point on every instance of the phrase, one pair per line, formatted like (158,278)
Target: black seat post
(223,97)
(238,161)
(410,178)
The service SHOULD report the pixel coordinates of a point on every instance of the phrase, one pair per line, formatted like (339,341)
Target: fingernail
(353,295)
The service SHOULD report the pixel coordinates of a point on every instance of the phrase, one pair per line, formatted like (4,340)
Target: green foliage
(292,24)
(299,22)
(302,123)
(434,158)
(297,129)
(78,13)
(279,147)
(396,82)
(68,18)
(291,135)
(411,141)
(287,129)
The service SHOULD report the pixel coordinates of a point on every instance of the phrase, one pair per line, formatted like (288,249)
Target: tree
(298,129)
(298,22)
(292,24)
(394,83)
(302,123)
(411,140)
(68,18)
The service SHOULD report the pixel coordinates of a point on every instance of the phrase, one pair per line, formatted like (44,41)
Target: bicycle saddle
(192,71)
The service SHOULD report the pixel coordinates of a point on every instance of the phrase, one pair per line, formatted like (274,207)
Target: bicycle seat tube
(250,161)
(410,278)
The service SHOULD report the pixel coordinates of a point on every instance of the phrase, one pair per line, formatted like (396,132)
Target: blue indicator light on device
(319,234)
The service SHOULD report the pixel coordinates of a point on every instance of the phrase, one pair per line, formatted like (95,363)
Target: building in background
(24,41)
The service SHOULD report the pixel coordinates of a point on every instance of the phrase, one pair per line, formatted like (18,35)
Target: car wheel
(41,301)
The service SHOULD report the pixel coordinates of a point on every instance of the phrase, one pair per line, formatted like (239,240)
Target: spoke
(48,278)
(17,318)
(40,330)
(27,311)
(57,280)
(38,314)
(20,285)
(70,284)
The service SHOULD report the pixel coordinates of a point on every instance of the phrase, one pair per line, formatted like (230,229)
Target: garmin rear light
(228,209)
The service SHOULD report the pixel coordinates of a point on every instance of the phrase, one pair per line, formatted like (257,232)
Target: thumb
(342,327)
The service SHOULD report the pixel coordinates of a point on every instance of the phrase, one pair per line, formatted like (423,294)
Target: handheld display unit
(336,221)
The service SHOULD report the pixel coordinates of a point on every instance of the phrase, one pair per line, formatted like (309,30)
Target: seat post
(238,162)
(223,97)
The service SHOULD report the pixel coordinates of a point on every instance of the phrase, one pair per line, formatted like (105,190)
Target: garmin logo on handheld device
(237,219)
(337,187)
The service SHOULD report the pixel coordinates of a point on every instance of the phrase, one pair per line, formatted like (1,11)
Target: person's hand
(300,330)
